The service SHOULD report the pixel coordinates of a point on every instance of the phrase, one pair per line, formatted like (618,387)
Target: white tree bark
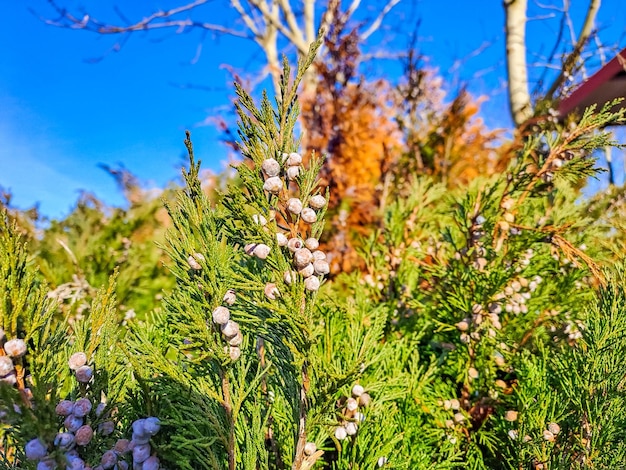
(517,71)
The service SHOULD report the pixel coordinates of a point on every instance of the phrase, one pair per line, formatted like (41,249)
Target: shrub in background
(484,334)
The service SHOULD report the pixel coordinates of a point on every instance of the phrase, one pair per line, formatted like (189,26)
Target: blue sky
(62,113)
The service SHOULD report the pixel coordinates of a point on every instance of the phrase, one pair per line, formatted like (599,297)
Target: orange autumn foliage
(376,135)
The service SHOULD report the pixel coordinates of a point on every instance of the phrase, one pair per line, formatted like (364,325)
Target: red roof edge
(602,76)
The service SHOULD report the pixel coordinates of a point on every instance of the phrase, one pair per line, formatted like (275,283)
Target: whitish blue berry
(230,297)
(106,428)
(321,267)
(317,202)
(82,407)
(64,408)
(64,440)
(152,425)
(308,215)
(293,172)
(193,261)
(122,446)
(310,448)
(15,347)
(141,452)
(302,257)
(35,449)
(340,433)
(83,436)
(273,185)
(77,360)
(261,251)
(294,205)
(84,374)
(72,423)
(6,365)
(312,283)
(221,315)
(312,243)
(151,463)
(109,459)
(48,464)
(294,159)
(271,167)
(75,464)
(230,329)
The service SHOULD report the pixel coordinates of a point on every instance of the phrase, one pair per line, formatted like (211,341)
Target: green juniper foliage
(485,334)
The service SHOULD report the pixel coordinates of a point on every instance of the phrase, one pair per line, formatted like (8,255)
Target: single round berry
(64,408)
(6,366)
(141,452)
(236,340)
(340,433)
(312,243)
(234,352)
(82,407)
(321,267)
(122,446)
(294,159)
(194,261)
(307,271)
(77,360)
(106,428)
(84,374)
(281,239)
(230,329)
(302,257)
(64,440)
(72,423)
(310,448)
(15,347)
(312,283)
(109,459)
(230,297)
(35,449)
(271,291)
(308,215)
(293,172)
(271,167)
(261,251)
(294,244)
(317,202)
(294,205)
(357,390)
(83,436)
(152,425)
(221,315)
(351,404)
(151,463)
(351,428)
(273,185)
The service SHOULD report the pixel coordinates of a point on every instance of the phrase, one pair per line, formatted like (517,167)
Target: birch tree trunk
(517,71)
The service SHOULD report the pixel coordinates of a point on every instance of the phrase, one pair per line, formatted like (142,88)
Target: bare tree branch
(378,21)
(574,56)
(149,22)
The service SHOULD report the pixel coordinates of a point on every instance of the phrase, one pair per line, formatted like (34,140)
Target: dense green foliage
(488,331)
